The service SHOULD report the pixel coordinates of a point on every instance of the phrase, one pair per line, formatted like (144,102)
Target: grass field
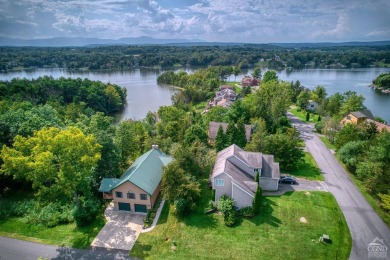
(301,114)
(62,235)
(307,169)
(275,234)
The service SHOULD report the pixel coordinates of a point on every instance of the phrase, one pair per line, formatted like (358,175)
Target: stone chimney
(155,146)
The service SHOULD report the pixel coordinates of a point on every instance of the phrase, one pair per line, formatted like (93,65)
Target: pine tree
(231,133)
(308,116)
(257,178)
(319,118)
(256,204)
(240,137)
(220,139)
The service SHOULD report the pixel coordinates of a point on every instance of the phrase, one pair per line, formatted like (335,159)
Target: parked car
(287,179)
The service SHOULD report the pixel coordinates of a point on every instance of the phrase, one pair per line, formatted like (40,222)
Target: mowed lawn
(276,234)
(307,169)
(61,235)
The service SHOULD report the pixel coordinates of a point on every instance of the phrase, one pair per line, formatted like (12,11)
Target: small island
(382,83)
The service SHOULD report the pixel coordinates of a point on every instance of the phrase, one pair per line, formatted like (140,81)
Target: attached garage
(124,206)
(140,208)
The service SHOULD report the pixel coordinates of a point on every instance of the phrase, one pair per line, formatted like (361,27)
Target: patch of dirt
(303,220)
(307,193)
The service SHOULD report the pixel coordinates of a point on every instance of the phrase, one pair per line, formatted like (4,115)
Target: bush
(227,206)
(86,214)
(182,206)
(319,126)
(212,205)
(246,212)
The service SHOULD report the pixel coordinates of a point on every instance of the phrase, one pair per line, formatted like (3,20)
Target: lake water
(144,94)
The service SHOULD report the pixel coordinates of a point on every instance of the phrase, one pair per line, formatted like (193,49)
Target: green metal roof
(145,172)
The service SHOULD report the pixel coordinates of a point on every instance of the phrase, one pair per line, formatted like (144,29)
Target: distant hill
(80,41)
(330,44)
(145,40)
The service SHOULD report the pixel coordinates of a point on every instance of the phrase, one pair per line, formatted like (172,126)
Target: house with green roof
(137,189)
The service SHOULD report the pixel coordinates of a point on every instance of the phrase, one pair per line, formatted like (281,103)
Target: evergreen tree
(220,139)
(257,178)
(240,137)
(256,204)
(231,133)
(319,118)
(308,116)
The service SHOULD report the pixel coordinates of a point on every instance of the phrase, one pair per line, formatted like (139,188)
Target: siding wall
(241,198)
(222,190)
(125,188)
(268,184)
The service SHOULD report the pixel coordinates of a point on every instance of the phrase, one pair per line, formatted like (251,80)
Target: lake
(144,94)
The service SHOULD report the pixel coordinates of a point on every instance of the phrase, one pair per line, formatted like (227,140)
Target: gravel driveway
(121,230)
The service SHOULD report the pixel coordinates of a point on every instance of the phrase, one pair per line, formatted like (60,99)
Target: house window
(118,194)
(349,117)
(256,170)
(143,196)
(130,195)
(219,182)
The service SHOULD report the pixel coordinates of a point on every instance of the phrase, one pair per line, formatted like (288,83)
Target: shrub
(86,214)
(246,212)
(227,206)
(299,109)
(212,205)
(319,126)
(256,204)
(182,206)
(308,116)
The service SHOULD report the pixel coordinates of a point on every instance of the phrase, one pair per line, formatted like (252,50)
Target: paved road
(23,250)
(363,222)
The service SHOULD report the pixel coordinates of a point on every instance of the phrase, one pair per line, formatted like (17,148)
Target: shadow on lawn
(265,216)
(200,220)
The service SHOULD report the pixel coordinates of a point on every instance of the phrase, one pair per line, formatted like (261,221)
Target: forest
(242,56)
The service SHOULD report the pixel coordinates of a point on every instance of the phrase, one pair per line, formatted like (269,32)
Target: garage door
(140,208)
(124,206)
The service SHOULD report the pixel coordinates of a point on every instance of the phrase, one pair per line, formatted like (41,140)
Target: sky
(249,21)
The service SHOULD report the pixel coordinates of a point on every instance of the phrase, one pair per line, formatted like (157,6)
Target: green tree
(231,132)
(330,128)
(176,185)
(240,136)
(227,206)
(334,104)
(269,75)
(257,200)
(220,139)
(319,94)
(303,98)
(58,163)
(256,73)
(257,178)
(308,116)
(195,133)
(352,102)
(351,152)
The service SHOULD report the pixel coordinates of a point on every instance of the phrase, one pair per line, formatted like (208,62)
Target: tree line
(243,56)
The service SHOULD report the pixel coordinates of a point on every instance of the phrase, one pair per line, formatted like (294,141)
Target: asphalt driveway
(364,223)
(121,230)
(302,185)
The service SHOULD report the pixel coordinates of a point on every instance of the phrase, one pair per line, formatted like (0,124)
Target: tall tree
(240,137)
(220,139)
(58,163)
(256,73)
(352,102)
(231,132)
(270,75)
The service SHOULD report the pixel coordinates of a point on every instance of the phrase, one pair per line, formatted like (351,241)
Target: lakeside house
(225,97)
(234,174)
(364,116)
(214,126)
(249,81)
(311,105)
(138,188)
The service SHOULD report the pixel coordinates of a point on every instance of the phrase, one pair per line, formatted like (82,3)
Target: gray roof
(233,161)
(363,114)
(214,126)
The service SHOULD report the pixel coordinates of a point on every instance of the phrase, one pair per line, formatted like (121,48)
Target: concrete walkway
(155,218)
(121,230)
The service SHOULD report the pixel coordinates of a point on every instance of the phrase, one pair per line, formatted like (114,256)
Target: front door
(140,208)
(124,206)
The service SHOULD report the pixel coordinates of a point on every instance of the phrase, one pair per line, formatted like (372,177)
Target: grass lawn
(62,235)
(276,234)
(302,114)
(307,169)
(327,143)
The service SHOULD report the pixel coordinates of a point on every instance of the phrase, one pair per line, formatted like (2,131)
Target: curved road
(363,222)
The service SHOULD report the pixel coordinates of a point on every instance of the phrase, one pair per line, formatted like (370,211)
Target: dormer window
(256,169)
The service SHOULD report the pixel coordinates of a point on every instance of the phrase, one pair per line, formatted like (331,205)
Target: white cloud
(213,20)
